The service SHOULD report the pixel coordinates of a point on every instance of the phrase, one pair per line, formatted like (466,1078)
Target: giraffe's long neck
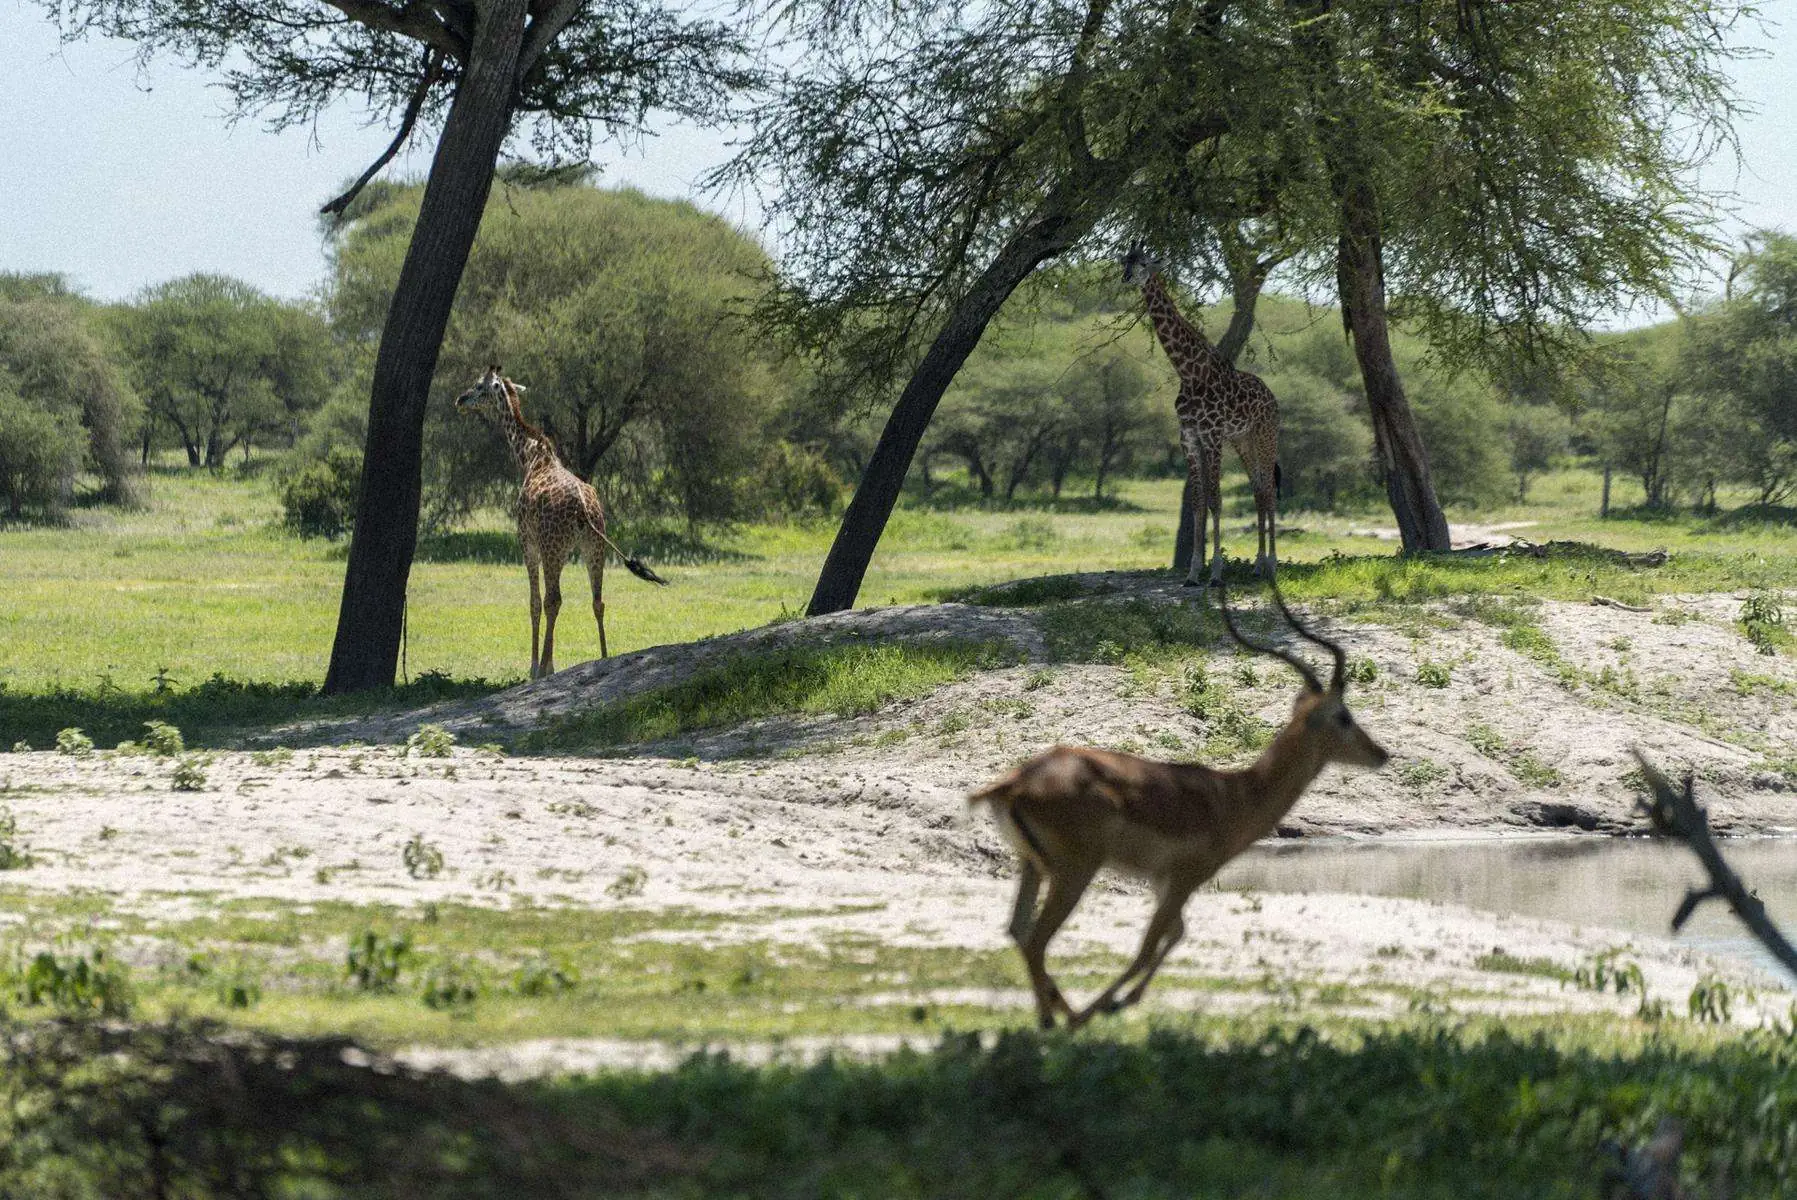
(530,446)
(1189,350)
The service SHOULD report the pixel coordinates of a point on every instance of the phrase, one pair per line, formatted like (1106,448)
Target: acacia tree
(482,72)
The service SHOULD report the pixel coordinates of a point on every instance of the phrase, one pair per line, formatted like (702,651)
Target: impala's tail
(1003,797)
(633,565)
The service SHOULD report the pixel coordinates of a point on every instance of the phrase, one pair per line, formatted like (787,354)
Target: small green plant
(450,986)
(237,988)
(1362,670)
(422,859)
(630,882)
(74,743)
(1763,622)
(541,976)
(1485,739)
(1710,1001)
(1434,674)
(82,983)
(953,723)
(21,747)
(189,774)
(1039,678)
(431,741)
(163,739)
(1419,773)
(271,758)
(375,960)
(1608,972)
(15,855)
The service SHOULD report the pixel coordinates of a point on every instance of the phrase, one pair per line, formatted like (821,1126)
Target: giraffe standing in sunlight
(1216,404)
(557,511)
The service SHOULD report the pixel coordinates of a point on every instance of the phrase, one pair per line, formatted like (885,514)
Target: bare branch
(433,71)
(1675,813)
(412,19)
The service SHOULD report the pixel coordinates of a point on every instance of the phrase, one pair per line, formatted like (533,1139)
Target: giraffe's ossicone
(557,511)
(1217,404)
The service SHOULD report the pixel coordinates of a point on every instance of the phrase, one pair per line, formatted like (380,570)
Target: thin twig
(1675,813)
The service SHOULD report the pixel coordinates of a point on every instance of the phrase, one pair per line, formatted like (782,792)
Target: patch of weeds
(1032,533)
(421,858)
(953,722)
(1532,642)
(1746,683)
(573,808)
(431,741)
(1485,739)
(1432,674)
(630,882)
(1109,631)
(21,747)
(1675,614)
(847,680)
(15,855)
(1621,645)
(495,880)
(74,743)
(1762,622)
(162,739)
(1361,670)
(239,987)
(1620,683)
(1503,962)
(450,986)
(271,758)
(1532,771)
(1418,774)
(374,960)
(1008,706)
(1710,1001)
(189,774)
(543,976)
(82,983)
(1028,593)
(1229,728)
(1609,972)
(1038,679)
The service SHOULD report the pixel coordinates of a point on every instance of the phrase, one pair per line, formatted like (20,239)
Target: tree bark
(365,653)
(1360,278)
(1065,217)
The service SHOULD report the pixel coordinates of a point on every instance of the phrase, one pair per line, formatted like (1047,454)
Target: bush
(319,499)
(40,452)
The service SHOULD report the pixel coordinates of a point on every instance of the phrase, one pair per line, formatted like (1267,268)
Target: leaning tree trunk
(1360,278)
(1065,217)
(366,651)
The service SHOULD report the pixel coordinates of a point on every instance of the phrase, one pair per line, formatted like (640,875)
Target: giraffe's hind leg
(531,567)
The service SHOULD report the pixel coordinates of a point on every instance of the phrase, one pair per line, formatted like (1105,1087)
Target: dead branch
(1676,813)
(433,71)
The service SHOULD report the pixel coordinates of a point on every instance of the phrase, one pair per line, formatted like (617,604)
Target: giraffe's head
(488,389)
(1138,264)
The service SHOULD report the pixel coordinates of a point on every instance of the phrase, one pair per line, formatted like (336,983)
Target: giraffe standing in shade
(1216,404)
(557,511)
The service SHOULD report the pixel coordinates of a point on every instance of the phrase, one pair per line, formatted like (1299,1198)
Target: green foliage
(1361,669)
(189,774)
(162,738)
(431,741)
(91,982)
(630,882)
(1763,622)
(1609,972)
(450,986)
(1433,674)
(617,312)
(64,401)
(1325,443)
(422,859)
(318,497)
(374,960)
(74,743)
(221,364)
(543,976)
(15,855)
(846,679)
(1710,1001)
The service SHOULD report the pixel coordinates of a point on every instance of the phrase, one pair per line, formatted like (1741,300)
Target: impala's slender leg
(1064,891)
(1165,929)
(1023,913)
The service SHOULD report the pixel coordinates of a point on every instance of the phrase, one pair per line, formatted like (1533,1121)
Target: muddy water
(1631,884)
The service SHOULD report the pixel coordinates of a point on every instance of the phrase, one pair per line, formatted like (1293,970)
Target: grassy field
(205,582)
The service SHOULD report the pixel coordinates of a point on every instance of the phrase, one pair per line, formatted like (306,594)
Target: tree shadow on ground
(194,1110)
(955,497)
(657,544)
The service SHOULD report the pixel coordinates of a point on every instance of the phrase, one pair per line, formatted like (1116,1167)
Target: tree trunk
(366,651)
(1065,217)
(1360,278)
(1604,510)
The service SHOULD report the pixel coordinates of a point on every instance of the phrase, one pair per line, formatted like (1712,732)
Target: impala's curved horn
(1340,656)
(1297,664)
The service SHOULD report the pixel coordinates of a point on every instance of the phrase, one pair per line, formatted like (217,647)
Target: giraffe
(557,510)
(1216,404)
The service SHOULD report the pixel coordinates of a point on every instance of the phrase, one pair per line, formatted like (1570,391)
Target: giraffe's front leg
(536,604)
(1213,503)
(552,607)
(1195,465)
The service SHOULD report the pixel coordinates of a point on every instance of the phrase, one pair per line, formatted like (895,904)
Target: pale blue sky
(121,178)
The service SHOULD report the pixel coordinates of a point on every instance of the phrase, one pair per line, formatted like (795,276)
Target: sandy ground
(870,811)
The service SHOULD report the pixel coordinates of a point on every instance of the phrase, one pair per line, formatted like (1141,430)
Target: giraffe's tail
(633,565)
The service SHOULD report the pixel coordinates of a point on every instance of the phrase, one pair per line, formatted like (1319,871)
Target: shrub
(1434,674)
(422,860)
(319,498)
(14,854)
(82,983)
(73,743)
(374,960)
(162,738)
(430,741)
(189,774)
(450,986)
(39,454)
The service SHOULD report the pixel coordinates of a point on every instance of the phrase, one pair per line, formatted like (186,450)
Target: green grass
(847,680)
(1420,1114)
